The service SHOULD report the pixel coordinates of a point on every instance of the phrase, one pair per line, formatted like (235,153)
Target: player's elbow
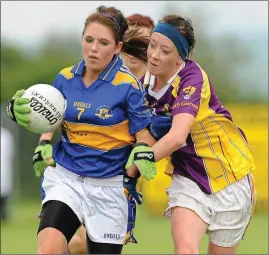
(176,140)
(179,142)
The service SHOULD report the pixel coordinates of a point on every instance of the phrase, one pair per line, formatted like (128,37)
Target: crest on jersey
(165,110)
(188,92)
(146,102)
(104,112)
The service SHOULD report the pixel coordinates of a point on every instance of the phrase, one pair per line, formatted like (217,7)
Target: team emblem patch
(188,92)
(104,112)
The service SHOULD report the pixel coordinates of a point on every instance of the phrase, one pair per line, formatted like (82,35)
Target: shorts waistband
(111,181)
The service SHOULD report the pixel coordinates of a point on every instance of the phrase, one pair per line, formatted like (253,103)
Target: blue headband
(175,36)
(115,21)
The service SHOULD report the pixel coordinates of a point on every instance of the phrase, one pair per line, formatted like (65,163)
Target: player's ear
(179,61)
(118,47)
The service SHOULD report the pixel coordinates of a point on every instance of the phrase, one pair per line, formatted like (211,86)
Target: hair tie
(114,20)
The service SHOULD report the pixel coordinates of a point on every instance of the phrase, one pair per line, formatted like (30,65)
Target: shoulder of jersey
(124,76)
(66,72)
(194,68)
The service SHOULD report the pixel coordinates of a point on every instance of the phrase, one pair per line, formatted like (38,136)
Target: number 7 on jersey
(81,110)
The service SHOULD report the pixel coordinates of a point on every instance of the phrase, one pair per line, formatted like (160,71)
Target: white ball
(47,108)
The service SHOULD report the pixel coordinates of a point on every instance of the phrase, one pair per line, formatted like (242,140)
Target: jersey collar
(109,72)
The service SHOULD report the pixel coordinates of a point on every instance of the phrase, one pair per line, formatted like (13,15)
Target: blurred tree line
(20,69)
(220,57)
(23,68)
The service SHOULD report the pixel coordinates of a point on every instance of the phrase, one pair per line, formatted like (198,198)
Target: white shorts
(227,212)
(100,204)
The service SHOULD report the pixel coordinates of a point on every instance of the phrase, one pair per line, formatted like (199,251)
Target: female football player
(212,189)
(105,116)
(134,56)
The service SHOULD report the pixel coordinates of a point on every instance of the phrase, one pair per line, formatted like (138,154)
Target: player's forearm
(145,137)
(175,138)
(46,136)
(166,146)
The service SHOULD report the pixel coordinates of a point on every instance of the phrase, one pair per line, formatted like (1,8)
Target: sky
(26,23)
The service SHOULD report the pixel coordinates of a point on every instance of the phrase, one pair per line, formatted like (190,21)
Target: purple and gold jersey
(216,152)
(100,121)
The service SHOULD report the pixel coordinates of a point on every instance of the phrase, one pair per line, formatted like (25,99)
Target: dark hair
(184,25)
(135,44)
(111,18)
(140,20)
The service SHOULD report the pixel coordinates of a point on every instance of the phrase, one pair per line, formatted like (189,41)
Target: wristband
(44,142)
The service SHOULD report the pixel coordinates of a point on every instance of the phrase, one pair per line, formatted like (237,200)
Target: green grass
(153,233)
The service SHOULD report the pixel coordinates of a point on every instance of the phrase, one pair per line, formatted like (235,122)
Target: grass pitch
(18,236)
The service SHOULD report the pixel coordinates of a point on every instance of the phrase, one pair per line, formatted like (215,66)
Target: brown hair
(184,25)
(111,18)
(140,20)
(135,44)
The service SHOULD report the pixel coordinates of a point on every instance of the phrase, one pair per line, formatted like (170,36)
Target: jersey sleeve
(137,111)
(190,95)
(59,81)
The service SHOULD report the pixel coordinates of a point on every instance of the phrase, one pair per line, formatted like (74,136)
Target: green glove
(42,157)
(16,109)
(143,156)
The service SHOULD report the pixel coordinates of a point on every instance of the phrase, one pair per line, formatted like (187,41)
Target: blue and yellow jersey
(216,152)
(100,121)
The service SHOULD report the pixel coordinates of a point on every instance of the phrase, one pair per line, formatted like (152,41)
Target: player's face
(133,64)
(98,46)
(163,57)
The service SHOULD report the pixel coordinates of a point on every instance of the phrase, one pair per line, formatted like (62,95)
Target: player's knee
(216,249)
(49,249)
(186,250)
(51,241)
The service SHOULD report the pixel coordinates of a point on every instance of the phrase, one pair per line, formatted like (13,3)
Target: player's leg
(215,249)
(234,207)
(78,243)
(110,215)
(57,226)
(190,214)
(61,213)
(103,248)
(188,230)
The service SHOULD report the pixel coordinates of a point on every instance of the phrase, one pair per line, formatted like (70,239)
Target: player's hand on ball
(143,157)
(40,108)
(17,110)
(129,183)
(42,157)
